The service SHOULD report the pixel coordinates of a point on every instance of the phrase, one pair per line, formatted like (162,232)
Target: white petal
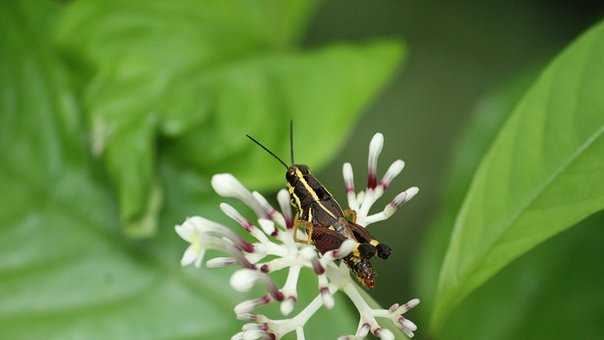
(199,258)
(408,324)
(386,334)
(299,333)
(393,171)
(287,306)
(348,175)
(286,209)
(231,212)
(308,253)
(363,331)
(251,326)
(404,197)
(219,262)
(249,305)
(268,208)
(349,183)
(408,332)
(399,200)
(376,145)
(238,336)
(185,231)
(243,280)
(249,335)
(204,225)
(267,226)
(412,303)
(211,229)
(346,248)
(328,301)
(375,148)
(290,287)
(371,196)
(190,255)
(227,185)
(411,192)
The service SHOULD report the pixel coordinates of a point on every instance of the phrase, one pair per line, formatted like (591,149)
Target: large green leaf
(66,272)
(535,296)
(203,75)
(543,173)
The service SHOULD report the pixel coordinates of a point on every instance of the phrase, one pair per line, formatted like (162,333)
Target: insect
(324,221)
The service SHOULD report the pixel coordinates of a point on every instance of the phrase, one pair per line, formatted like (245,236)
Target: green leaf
(542,175)
(552,292)
(202,77)
(66,272)
(534,290)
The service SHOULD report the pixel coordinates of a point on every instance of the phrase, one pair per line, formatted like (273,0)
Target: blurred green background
(111,125)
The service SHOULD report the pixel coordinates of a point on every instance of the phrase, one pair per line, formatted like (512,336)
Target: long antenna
(269,151)
(291,139)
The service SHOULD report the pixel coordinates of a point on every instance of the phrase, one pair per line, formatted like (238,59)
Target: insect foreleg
(308,227)
(350,215)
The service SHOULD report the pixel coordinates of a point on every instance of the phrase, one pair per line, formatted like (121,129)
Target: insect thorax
(310,198)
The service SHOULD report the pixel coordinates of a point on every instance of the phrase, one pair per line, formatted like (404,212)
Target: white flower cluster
(275,249)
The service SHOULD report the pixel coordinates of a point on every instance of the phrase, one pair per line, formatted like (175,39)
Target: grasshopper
(326,225)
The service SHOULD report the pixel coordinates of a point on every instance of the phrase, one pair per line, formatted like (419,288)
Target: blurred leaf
(322,91)
(145,53)
(211,73)
(65,270)
(32,82)
(543,174)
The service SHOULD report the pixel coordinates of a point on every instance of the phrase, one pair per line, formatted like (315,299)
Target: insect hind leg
(363,236)
(366,250)
(326,239)
(383,250)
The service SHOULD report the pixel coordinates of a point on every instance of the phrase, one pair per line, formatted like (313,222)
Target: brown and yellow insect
(324,221)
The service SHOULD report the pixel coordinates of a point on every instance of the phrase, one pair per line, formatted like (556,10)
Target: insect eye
(290,175)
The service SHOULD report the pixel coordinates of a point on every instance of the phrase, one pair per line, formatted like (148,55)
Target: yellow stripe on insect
(312,193)
(296,198)
(301,178)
